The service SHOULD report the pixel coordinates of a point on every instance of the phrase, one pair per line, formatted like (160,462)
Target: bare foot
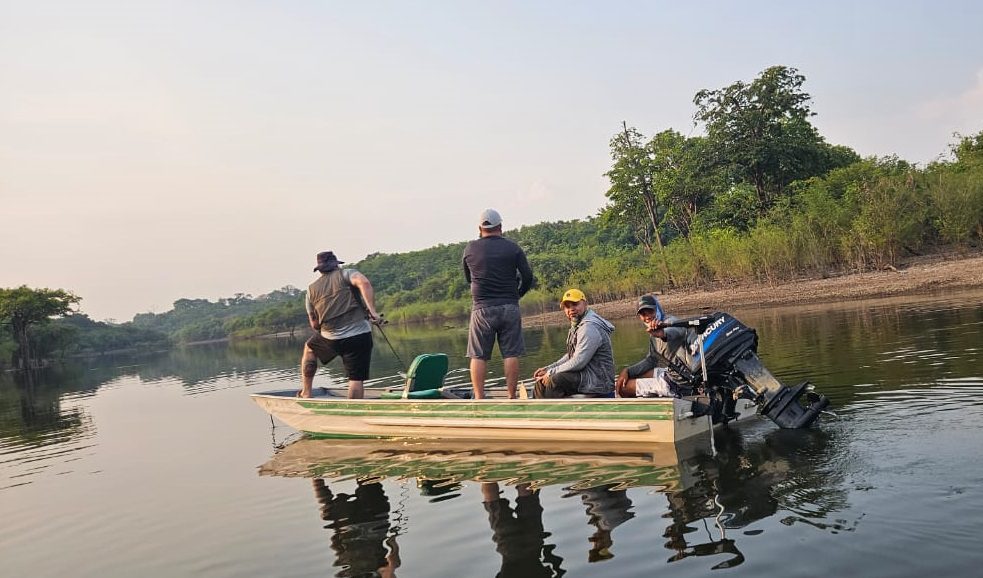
(302,394)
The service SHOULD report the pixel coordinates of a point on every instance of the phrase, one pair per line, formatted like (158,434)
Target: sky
(158,150)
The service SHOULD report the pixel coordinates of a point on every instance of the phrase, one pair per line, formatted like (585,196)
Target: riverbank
(918,275)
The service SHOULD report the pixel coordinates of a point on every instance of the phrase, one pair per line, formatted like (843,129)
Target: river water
(160,465)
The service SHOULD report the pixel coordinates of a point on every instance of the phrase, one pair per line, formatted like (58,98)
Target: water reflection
(518,532)
(753,477)
(607,508)
(361,535)
(40,427)
(756,474)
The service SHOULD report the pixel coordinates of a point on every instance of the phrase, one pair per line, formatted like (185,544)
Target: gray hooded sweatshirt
(589,353)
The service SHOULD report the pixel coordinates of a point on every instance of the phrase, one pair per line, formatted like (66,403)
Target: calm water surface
(162,466)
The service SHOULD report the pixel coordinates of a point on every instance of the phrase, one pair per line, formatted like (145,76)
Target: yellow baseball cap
(573,296)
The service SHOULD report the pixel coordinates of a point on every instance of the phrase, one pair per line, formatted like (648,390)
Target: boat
(727,382)
(329,413)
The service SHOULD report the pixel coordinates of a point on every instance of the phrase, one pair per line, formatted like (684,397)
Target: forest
(758,196)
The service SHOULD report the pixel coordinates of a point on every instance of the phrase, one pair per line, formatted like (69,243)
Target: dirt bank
(920,275)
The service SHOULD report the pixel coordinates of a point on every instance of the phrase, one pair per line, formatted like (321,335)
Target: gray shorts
(503,322)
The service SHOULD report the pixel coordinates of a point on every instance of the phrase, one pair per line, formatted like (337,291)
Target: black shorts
(355,352)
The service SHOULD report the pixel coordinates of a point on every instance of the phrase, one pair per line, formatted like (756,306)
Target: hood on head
(592,317)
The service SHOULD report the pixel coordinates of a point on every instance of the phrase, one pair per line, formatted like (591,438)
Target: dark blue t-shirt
(497,270)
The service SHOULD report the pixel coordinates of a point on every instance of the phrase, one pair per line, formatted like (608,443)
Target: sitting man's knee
(626,389)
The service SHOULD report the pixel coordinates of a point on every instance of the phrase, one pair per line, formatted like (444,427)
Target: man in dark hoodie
(588,365)
(651,377)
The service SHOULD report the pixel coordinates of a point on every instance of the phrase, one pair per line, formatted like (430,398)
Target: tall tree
(762,131)
(24,308)
(632,194)
(683,181)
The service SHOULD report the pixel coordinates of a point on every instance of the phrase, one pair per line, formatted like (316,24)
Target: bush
(956,205)
(772,252)
(892,218)
(725,254)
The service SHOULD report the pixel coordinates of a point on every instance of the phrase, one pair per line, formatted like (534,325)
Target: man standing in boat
(646,378)
(499,275)
(587,367)
(341,321)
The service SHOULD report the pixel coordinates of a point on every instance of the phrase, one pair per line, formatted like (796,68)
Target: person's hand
(656,328)
(621,380)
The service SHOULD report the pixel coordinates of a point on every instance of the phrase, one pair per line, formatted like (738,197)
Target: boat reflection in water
(707,495)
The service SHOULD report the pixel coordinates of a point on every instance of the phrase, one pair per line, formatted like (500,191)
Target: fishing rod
(378,324)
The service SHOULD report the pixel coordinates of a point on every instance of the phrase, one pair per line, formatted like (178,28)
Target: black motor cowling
(729,354)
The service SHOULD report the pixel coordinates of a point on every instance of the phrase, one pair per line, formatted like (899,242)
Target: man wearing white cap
(499,275)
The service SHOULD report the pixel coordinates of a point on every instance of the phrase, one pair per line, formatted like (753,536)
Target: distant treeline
(44,325)
(761,196)
(40,324)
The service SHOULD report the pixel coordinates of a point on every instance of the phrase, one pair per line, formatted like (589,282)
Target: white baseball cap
(489,219)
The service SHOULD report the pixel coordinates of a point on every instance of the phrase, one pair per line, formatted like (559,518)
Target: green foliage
(956,205)
(643,178)
(686,263)
(633,198)
(25,309)
(612,277)
(772,255)
(736,208)
(724,254)
(760,132)
(78,333)
(202,320)
(968,151)
(891,218)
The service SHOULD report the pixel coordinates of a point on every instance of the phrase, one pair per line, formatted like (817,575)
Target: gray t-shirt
(349,330)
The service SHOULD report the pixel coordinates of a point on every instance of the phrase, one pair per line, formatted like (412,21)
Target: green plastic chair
(424,378)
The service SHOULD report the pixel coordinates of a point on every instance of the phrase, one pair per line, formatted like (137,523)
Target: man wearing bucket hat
(645,378)
(340,306)
(587,367)
(499,274)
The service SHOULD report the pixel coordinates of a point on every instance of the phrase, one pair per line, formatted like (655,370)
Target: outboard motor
(728,360)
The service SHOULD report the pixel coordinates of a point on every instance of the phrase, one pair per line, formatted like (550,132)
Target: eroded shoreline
(918,276)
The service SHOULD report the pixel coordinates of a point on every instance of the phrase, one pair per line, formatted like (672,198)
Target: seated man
(645,378)
(588,365)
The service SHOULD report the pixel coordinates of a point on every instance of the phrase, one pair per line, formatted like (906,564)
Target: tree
(24,308)
(682,180)
(632,194)
(761,131)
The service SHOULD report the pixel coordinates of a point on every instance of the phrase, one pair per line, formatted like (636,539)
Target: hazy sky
(156,150)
